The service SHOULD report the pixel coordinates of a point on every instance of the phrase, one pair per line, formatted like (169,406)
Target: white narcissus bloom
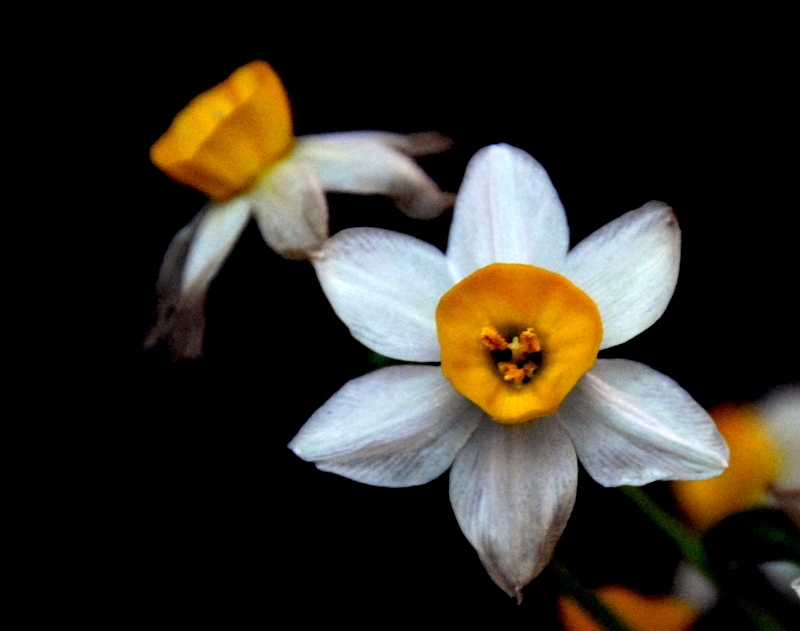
(520,396)
(235,143)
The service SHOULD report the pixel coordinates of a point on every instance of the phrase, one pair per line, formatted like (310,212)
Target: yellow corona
(516,338)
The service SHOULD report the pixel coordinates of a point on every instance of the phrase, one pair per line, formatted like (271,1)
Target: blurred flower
(235,143)
(764,441)
(782,575)
(516,322)
(640,612)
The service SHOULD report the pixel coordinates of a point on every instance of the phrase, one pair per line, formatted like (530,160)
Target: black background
(189,506)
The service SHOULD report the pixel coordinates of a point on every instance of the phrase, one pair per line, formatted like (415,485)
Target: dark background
(190,507)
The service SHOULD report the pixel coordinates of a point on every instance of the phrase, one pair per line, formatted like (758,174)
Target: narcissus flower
(764,440)
(640,612)
(516,322)
(235,143)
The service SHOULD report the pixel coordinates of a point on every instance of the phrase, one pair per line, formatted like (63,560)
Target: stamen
(529,369)
(530,341)
(491,338)
(510,372)
(524,351)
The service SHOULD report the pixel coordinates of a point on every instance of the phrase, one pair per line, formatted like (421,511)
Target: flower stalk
(692,549)
(586,598)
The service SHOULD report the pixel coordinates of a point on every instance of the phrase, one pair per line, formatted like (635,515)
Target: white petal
(633,425)
(398,426)
(692,587)
(368,164)
(512,488)
(781,412)
(219,229)
(422,143)
(290,208)
(385,287)
(782,575)
(629,267)
(419,144)
(796,586)
(507,211)
(180,322)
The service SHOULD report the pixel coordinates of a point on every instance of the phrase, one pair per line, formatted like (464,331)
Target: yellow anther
(510,372)
(491,338)
(530,341)
(529,369)
(518,374)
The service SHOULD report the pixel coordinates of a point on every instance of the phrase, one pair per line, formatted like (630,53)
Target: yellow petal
(224,140)
(511,299)
(642,613)
(754,464)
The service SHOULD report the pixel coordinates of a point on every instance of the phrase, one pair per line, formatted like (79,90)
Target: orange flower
(640,612)
(764,441)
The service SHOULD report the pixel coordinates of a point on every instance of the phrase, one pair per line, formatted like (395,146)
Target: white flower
(235,143)
(514,469)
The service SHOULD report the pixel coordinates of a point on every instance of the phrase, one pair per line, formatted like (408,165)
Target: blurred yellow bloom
(764,442)
(640,612)
(753,467)
(235,143)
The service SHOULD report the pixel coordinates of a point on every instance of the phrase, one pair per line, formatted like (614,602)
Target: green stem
(587,599)
(692,549)
(689,544)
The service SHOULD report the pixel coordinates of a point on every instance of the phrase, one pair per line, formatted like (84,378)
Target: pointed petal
(398,426)
(193,259)
(385,287)
(629,267)
(219,229)
(179,323)
(367,163)
(507,211)
(512,488)
(782,575)
(422,143)
(632,425)
(290,208)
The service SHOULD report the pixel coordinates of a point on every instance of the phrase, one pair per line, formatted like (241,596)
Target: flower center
(225,139)
(517,360)
(516,339)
